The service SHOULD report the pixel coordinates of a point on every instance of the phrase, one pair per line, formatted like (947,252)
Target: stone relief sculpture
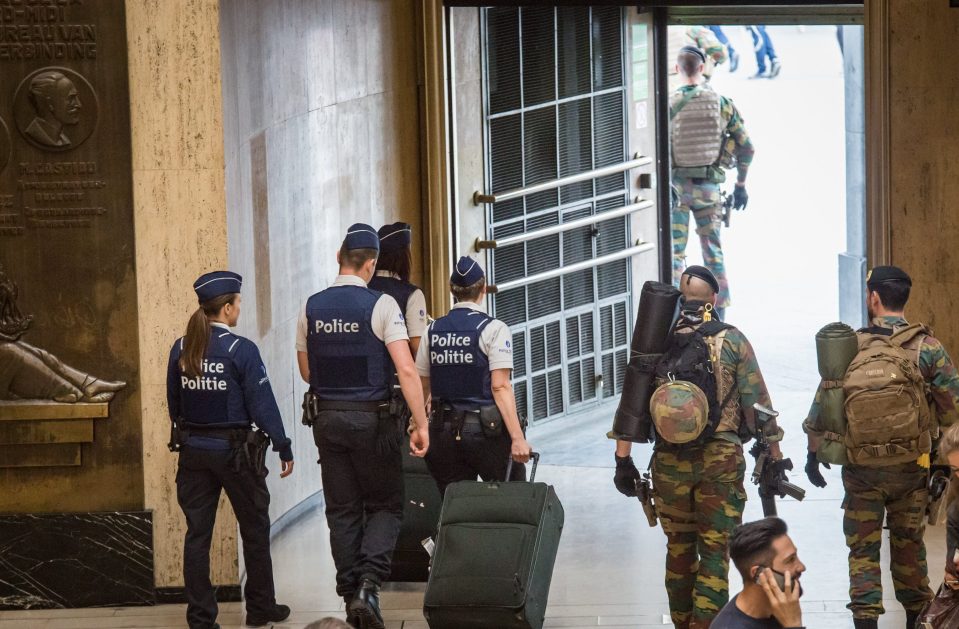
(55,109)
(57,104)
(31,373)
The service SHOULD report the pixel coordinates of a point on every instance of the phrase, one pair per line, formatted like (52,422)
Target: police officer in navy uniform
(217,388)
(393,278)
(465,362)
(349,339)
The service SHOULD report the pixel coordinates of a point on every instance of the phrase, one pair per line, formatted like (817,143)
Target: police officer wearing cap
(349,340)
(890,491)
(465,363)
(393,278)
(217,388)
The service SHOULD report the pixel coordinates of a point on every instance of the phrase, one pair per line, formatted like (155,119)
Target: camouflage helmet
(680,411)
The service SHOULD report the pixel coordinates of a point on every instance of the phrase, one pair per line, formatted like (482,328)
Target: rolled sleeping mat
(632,421)
(658,308)
(836,347)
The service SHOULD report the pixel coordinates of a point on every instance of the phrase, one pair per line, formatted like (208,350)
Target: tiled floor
(609,571)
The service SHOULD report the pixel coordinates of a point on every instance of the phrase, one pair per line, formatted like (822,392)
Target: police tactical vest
(459,370)
(397,289)
(887,412)
(205,400)
(696,127)
(347,360)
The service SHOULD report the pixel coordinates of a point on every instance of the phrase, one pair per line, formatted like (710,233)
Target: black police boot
(366,606)
(866,623)
(351,618)
(279,613)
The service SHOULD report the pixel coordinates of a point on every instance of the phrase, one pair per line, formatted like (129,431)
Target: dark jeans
(364,496)
(475,454)
(200,477)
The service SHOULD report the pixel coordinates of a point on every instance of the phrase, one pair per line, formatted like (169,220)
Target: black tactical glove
(812,470)
(626,476)
(740,198)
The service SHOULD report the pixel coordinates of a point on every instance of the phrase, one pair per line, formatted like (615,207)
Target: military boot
(866,623)
(365,606)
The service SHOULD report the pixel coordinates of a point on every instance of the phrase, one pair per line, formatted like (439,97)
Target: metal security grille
(555,106)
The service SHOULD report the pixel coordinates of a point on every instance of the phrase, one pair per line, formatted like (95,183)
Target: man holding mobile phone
(769,564)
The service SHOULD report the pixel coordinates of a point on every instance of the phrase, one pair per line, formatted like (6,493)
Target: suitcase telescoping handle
(534,456)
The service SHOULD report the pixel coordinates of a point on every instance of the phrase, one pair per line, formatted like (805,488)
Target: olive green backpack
(887,413)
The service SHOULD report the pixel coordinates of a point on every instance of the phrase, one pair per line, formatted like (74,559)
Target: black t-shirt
(730,617)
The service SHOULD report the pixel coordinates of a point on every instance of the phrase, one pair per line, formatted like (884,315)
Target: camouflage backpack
(887,413)
(684,406)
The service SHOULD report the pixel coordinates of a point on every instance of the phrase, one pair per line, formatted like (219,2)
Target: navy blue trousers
(200,477)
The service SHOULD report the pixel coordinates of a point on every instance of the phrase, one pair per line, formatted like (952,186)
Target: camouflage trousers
(704,201)
(699,500)
(899,493)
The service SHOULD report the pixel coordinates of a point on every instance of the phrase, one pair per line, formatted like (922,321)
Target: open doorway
(794,258)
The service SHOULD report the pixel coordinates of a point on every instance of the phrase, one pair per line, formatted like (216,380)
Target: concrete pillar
(180,215)
(852,263)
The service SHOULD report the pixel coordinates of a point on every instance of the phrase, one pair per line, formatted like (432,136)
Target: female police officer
(393,278)
(465,363)
(216,389)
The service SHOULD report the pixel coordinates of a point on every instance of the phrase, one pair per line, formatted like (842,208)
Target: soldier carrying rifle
(702,409)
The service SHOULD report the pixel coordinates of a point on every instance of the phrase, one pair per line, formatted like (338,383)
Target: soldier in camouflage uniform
(707,136)
(897,492)
(701,37)
(698,488)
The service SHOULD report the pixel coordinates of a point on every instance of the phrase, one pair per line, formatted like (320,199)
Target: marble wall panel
(76,560)
(342,146)
(925,161)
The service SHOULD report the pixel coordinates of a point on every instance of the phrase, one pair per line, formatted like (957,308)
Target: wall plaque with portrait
(67,258)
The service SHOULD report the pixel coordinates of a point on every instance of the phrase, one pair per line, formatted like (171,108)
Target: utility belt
(247,445)
(701,174)
(488,419)
(389,413)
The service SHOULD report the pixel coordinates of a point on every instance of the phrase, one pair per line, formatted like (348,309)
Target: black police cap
(883,274)
(704,274)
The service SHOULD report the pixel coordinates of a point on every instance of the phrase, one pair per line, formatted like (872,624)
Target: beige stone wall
(180,214)
(321,131)
(925,160)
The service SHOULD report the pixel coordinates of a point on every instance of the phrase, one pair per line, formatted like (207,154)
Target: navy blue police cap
(883,274)
(395,237)
(693,50)
(466,272)
(704,274)
(211,285)
(361,236)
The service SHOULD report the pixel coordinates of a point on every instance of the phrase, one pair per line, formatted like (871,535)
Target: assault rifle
(770,475)
(727,207)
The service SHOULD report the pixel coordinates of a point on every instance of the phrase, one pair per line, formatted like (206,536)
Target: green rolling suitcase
(421,514)
(494,555)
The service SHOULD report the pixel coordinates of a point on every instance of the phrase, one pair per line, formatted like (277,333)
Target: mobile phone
(780,578)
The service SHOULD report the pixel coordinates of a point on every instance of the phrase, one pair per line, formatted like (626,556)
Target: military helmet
(680,411)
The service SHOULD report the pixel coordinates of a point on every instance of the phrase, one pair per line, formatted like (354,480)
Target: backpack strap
(685,100)
(716,356)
